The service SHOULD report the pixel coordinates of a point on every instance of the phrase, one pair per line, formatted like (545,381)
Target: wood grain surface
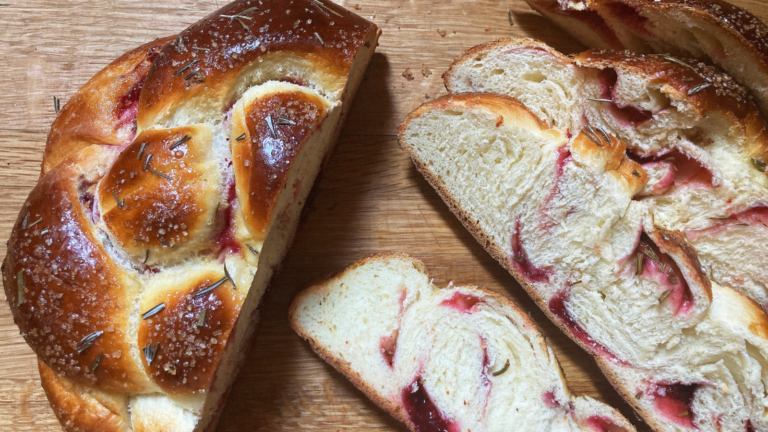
(369,199)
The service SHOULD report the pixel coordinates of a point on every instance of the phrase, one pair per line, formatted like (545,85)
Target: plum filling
(756,217)
(388,343)
(463,303)
(484,372)
(563,158)
(748,426)
(549,399)
(603,424)
(626,116)
(422,412)
(227,244)
(654,265)
(387,346)
(674,402)
(127,108)
(559,308)
(522,263)
(630,17)
(687,171)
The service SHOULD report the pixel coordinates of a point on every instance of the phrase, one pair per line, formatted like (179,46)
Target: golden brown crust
(108,101)
(70,287)
(189,334)
(266,139)
(80,410)
(209,58)
(162,192)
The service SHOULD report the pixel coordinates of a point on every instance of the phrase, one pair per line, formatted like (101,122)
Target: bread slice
(560,214)
(711,30)
(696,134)
(172,187)
(461,358)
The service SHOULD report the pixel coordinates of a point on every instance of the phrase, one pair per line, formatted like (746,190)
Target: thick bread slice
(711,30)
(559,213)
(452,359)
(699,138)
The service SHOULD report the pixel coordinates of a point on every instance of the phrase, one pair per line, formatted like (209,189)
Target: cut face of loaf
(560,214)
(711,30)
(697,136)
(453,359)
(171,190)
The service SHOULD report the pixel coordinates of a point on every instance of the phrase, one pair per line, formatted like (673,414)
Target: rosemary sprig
(317,36)
(158,173)
(44,232)
(154,311)
(24,222)
(20,288)
(683,414)
(639,260)
(592,138)
(96,362)
(87,341)
(35,222)
(271,127)
(165,242)
(604,134)
(673,279)
(517,258)
(141,150)
(228,276)
(200,48)
(186,66)
(599,100)
(639,395)
(56,105)
(760,165)
(201,318)
(120,204)
(215,285)
(502,370)
(146,258)
(240,138)
(509,18)
(644,248)
(698,89)
(635,173)
(663,268)
(665,295)
(253,251)
(184,139)
(150,352)
(318,3)
(146,162)
(282,121)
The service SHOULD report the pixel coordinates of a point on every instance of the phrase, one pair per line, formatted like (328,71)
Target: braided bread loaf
(452,359)
(171,188)
(711,30)
(561,210)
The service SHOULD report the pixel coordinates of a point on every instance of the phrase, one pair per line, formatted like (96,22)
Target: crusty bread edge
(498,254)
(343,367)
(389,406)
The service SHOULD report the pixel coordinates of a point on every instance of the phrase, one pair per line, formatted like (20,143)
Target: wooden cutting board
(369,199)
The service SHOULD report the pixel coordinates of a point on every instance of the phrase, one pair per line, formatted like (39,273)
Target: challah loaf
(711,30)
(171,189)
(560,213)
(453,359)
(696,134)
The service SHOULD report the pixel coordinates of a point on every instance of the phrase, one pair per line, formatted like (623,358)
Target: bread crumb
(407,74)
(487,30)
(426,96)
(425,71)
(357,6)
(441,32)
